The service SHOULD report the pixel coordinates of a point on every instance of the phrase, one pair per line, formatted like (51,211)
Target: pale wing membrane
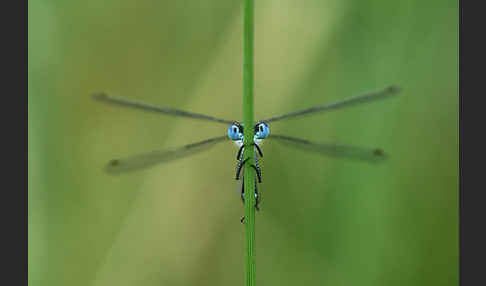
(372,155)
(371,96)
(106,98)
(149,159)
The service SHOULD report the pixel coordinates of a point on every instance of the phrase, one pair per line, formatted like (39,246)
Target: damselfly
(235,133)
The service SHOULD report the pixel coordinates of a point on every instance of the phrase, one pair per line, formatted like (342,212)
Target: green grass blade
(249,173)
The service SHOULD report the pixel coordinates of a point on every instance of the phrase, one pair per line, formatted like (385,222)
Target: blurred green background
(323,221)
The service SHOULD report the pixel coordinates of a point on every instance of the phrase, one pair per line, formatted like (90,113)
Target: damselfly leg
(243,146)
(242,162)
(257,198)
(256,194)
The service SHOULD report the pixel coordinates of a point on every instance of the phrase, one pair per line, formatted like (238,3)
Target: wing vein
(106,98)
(149,159)
(334,150)
(384,93)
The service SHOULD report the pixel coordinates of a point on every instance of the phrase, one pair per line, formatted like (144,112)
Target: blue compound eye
(261,130)
(234,132)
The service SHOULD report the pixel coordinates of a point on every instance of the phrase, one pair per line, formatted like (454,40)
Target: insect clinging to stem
(235,134)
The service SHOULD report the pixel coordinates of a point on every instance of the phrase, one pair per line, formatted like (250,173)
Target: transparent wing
(106,98)
(371,96)
(149,159)
(372,155)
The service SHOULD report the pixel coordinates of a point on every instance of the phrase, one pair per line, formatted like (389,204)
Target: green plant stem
(249,173)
